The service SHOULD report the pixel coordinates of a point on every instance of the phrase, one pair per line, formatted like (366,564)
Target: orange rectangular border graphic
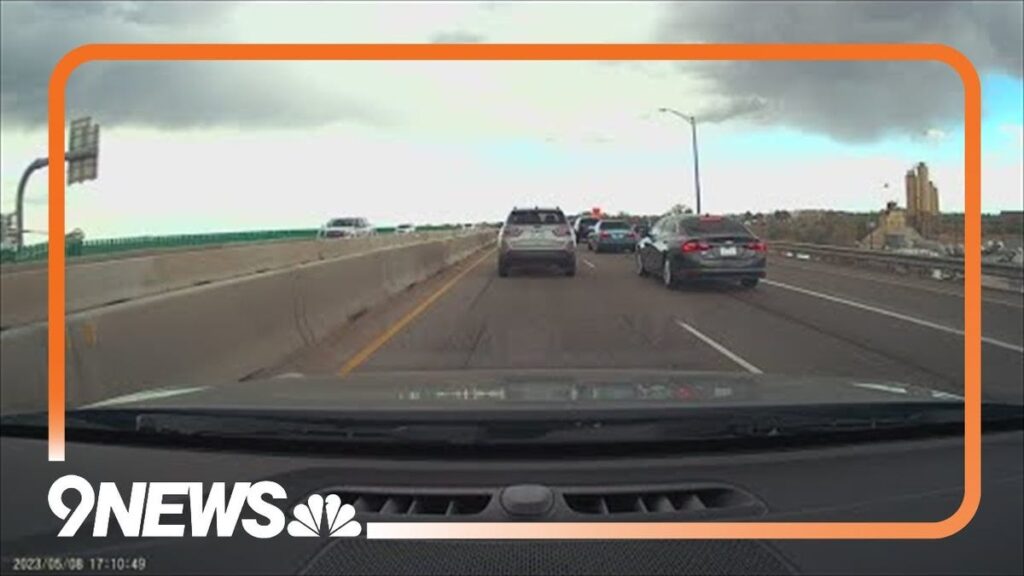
(568,52)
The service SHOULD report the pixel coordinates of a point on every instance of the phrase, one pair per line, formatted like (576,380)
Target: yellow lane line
(371,348)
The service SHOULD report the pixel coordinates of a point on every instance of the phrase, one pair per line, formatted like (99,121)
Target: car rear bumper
(560,257)
(721,273)
(687,268)
(616,244)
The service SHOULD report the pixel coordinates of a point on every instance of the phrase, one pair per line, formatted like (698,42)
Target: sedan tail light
(632,235)
(605,235)
(757,246)
(695,246)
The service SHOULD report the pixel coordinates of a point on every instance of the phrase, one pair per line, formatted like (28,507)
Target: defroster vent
(697,501)
(413,502)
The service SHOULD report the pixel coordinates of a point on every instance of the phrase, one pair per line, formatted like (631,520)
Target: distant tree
(680,209)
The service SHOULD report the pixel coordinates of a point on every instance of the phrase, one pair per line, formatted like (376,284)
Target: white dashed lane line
(891,314)
(725,351)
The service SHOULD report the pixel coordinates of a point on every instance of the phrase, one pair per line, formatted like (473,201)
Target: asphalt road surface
(805,318)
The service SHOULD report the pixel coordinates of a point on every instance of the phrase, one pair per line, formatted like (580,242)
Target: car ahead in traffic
(582,227)
(405,229)
(536,236)
(612,236)
(345,228)
(688,247)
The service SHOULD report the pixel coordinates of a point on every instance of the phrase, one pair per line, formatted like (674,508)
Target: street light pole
(36,165)
(692,120)
(82,157)
(19,208)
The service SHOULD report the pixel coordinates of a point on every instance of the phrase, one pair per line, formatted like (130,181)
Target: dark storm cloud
(752,106)
(457,37)
(34,36)
(852,100)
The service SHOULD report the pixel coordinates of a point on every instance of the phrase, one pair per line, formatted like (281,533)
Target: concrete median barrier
(99,283)
(221,331)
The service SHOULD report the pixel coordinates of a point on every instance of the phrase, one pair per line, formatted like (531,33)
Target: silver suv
(345,228)
(536,236)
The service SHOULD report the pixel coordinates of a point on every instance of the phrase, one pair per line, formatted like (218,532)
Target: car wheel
(666,273)
(640,270)
(749,282)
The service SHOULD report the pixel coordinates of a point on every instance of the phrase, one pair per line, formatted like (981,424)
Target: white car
(346,228)
(405,229)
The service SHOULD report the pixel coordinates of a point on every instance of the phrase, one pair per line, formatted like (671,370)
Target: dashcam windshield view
(606,288)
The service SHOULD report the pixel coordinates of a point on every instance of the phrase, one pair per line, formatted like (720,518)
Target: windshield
(536,217)
(343,223)
(772,233)
(713,226)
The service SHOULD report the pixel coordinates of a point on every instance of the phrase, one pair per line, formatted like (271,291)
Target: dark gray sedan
(680,248)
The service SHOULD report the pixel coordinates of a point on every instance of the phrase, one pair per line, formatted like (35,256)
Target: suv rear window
(536,217)
(712,226)
(344,222)
(614,225)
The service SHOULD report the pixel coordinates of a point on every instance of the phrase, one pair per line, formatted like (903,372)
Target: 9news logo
(143,513)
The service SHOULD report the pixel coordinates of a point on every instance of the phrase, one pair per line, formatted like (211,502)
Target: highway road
(806,318)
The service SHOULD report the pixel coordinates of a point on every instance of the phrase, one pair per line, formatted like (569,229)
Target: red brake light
(695,246)
(605,235)
(757,246)
(632,234)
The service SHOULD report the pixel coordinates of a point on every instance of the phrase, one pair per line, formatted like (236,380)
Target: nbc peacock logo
(309,516)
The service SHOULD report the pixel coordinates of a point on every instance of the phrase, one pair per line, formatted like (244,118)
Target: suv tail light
(695,246)
(513,231)
(757,246)
(563,231)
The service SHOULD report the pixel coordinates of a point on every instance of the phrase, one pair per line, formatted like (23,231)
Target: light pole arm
(677,113)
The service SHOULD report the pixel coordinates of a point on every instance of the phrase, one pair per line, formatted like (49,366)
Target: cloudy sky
(190,147)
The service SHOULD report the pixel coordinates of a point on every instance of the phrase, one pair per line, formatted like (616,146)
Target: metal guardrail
(909,261)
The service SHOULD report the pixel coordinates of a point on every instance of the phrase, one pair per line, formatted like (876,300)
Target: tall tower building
(922,195)
(911,187)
